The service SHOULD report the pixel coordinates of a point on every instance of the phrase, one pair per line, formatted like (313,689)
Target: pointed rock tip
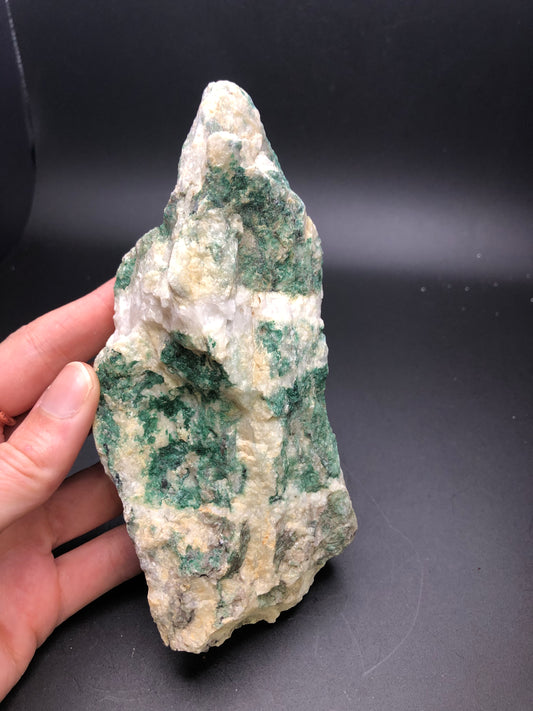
(224,88)
(227,107)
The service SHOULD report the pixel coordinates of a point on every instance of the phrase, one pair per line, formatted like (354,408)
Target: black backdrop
(407,129)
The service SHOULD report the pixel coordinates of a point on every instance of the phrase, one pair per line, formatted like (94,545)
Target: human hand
(39,510)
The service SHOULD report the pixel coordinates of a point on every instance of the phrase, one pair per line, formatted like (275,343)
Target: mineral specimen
(212,419)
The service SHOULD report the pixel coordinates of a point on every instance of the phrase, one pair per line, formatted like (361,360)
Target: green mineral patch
(125,271)
(195,367)
(284,542)
(203,468)
(169,213)
(309,455)
(274,253)
(274,596)
(197,562)
(212,125)
(125,383)
(237,556)
(107,434)
(130,260)
(163,465)
(271,337)
(335,523)
(220,561)
(288,345)
(235,560)
(172,404)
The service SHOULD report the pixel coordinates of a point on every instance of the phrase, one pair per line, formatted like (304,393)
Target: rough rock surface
(212,420)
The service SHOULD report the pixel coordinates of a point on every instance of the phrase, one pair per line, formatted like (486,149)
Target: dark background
(407,129)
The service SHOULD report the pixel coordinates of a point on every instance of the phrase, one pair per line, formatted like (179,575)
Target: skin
(39,509)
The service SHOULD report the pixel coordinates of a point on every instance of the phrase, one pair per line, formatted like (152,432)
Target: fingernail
(66,395)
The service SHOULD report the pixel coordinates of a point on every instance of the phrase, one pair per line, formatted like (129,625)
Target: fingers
(83,502)
(91,570)
(33,356)
(40,452)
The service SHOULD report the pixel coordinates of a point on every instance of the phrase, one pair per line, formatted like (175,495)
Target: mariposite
(212,419)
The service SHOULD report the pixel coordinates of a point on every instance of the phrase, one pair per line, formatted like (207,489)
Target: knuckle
(30,339)
(46,350)
(23,466)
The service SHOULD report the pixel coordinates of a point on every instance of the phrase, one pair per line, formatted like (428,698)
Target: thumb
(40,452)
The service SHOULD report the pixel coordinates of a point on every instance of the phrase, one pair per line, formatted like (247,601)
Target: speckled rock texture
(212,419)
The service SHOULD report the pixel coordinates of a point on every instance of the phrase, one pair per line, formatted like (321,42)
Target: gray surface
(17,160)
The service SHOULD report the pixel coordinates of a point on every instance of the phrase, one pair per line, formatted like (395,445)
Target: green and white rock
(212,420)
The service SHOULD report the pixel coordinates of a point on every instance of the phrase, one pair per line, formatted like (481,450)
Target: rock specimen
(212,420)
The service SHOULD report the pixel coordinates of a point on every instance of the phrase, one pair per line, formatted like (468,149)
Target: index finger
(32,356)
